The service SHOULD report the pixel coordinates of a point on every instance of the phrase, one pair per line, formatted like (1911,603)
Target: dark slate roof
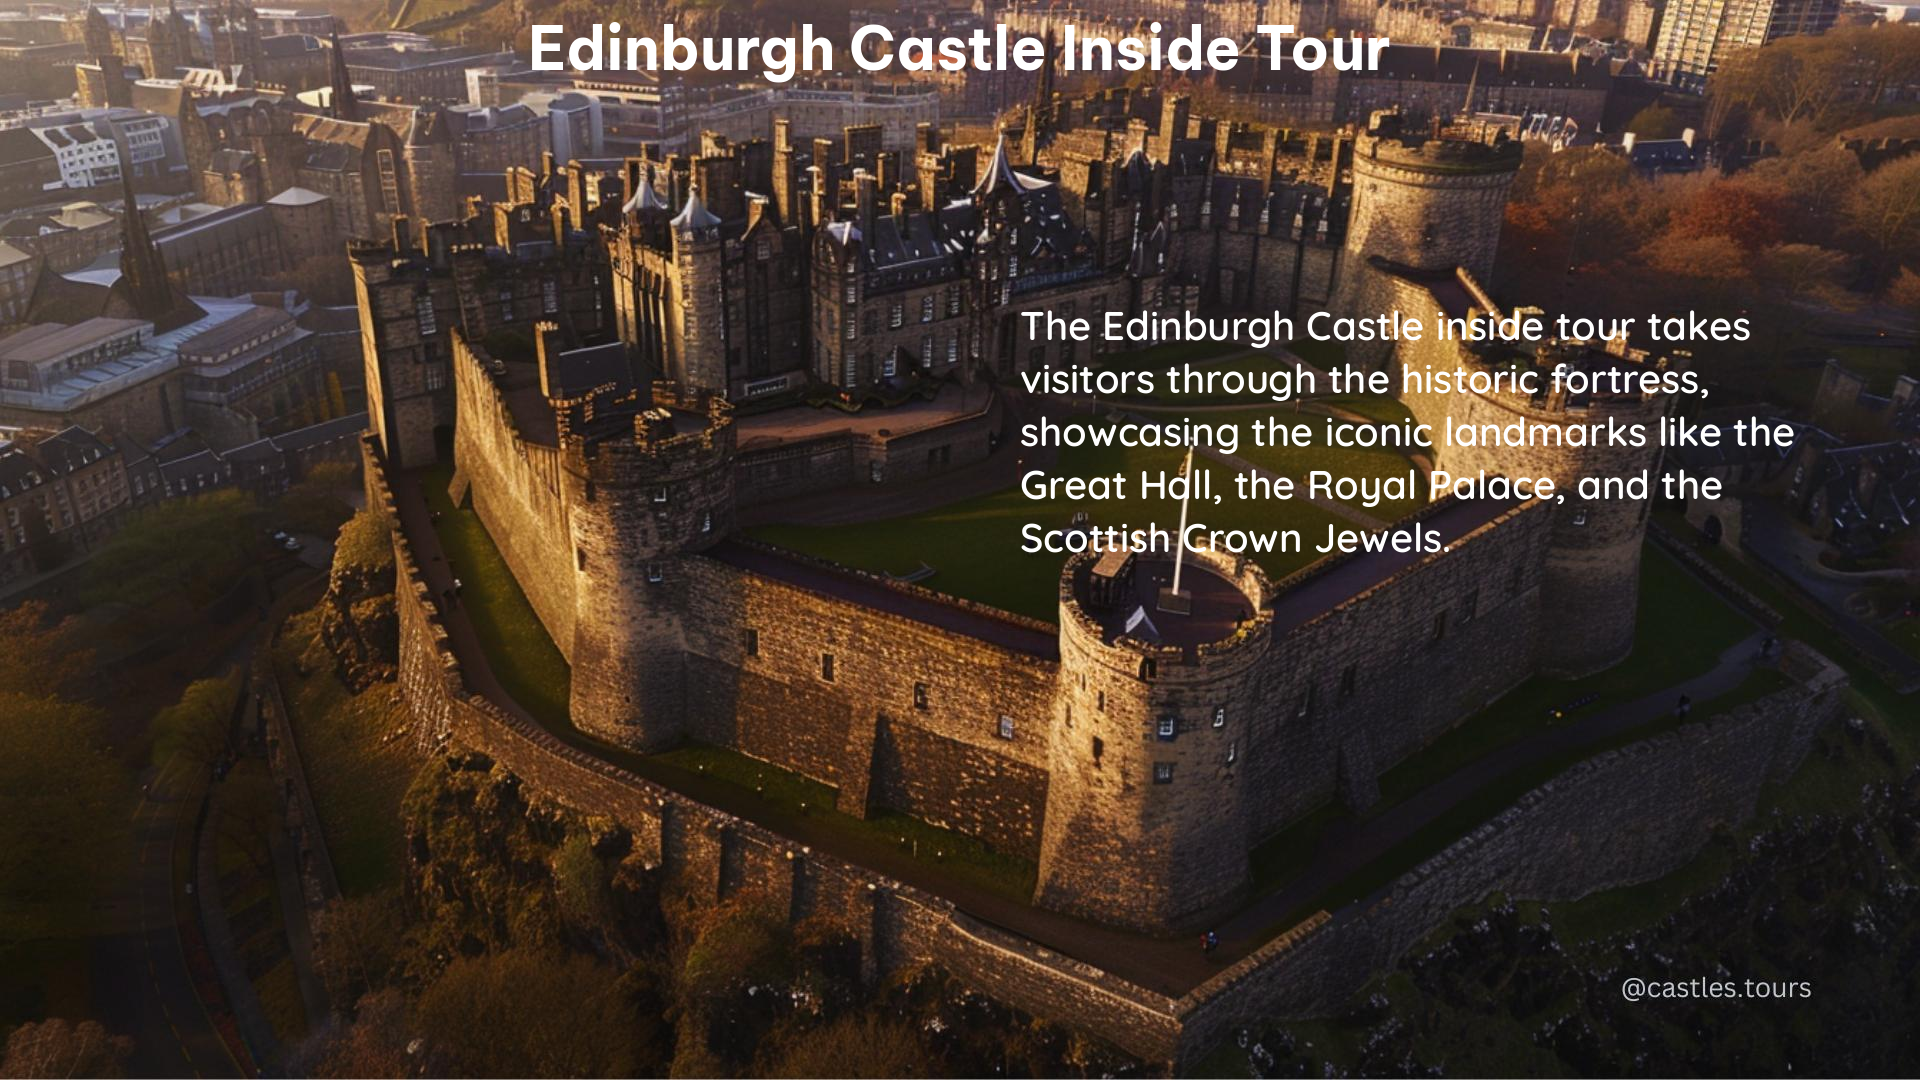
(576,371)
(324,432)
(72,449)
(18,472)
(18,146)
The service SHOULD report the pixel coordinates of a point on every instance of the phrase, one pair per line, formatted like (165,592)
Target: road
(142,986)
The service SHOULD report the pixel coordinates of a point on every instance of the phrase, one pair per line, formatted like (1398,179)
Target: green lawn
(974,546)
(1379,408)
(537,676)
(789,795)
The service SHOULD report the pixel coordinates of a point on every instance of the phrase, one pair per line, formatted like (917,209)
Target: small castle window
(1005,729)
(660,495)
(1233,752)
(926,308)
(826,666)
(1100,701)
(656,573)
(1472,607)
(580,558)
(920,696)
(1348,680)
(890,366)
(1519,579)
(1580,516)
(1147,668)
(753,641)
(1169,727)
(1219,716)
(1099,751)
(1440,628)
(706,522)
(896,315)
(1163,772)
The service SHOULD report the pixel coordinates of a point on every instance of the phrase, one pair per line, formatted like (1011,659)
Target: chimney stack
(866,192)
(546,347)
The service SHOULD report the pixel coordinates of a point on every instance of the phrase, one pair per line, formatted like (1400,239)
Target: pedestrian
(1685,707)
(457,588)
(1209,942)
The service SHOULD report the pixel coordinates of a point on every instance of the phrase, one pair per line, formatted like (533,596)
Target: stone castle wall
(1620,818)
(517,491)
(1357,688)
(1592,561)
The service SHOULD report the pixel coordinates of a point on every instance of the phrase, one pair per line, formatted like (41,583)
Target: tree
(375,1043)
(1813,187)
(58,1048)
(317,503)
(1885,209)
(854,1047)
(197,729)
(184,549)
(529,1012)
(1747,214)
(64,830)
(360,943)
(1656,122)
(43,658)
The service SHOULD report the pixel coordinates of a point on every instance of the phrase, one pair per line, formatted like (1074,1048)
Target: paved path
(1170,966)
(141,980)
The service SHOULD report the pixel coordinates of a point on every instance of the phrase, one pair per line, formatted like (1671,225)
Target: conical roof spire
(340,99)
(999,172)
(695,215)
(644,196)
(142,272)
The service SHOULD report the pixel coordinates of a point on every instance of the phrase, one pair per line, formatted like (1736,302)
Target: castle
(1137,766)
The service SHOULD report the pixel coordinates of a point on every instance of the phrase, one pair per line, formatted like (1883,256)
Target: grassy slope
(357,760)
(538,676)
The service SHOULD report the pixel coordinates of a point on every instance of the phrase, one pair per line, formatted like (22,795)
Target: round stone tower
(1421,201)
(640,497)
(1154,716)
(1590,587)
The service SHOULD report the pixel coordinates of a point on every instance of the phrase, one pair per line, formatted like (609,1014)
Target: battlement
(1390,140)
(1114,601)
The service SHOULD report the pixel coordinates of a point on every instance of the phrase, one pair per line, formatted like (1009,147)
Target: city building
(61,493)
(1697,36)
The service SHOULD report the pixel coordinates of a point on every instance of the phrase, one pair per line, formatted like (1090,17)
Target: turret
(698,357)
(1421,201)
(639,499)
(1154,718)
